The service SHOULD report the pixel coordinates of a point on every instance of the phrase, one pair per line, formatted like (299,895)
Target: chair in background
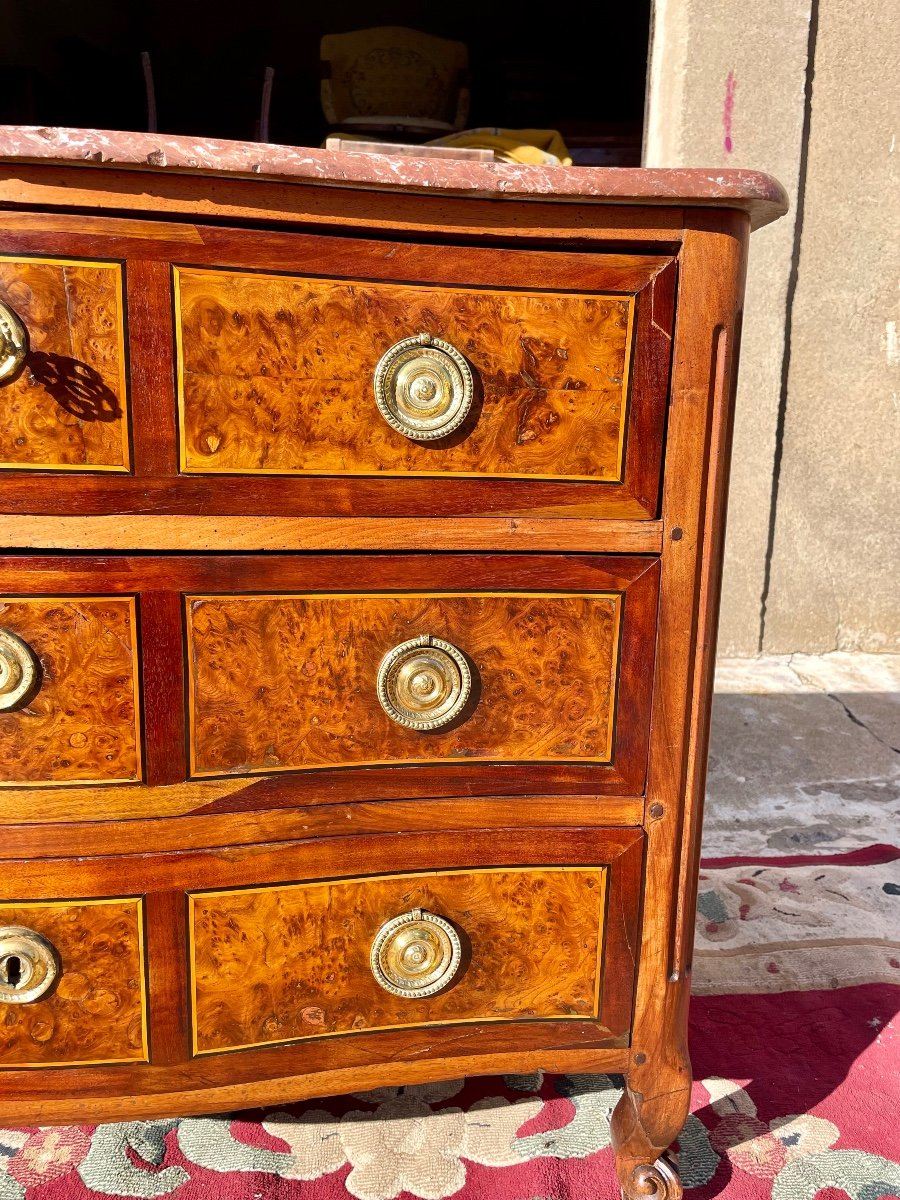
(394,80)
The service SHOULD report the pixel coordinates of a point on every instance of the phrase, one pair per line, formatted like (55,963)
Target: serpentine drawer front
(310,954)
(72,983)
(63,383)
(287,375)
(357,638)
(280,963)
(336,376)
(541,662)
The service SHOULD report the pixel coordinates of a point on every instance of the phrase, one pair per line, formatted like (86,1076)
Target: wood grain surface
(276,375)
(172,1082)
(223,534)
(161,580)
(656,1101)
(286,682)
(120,832)
(643,279)
(275,964)
(96,1012)
(67,408)
(83,724)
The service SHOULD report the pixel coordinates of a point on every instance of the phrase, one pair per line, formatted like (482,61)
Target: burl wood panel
(285,682)
(83,724)
(275,375)
(280,963)
(97,1011)
(67,408)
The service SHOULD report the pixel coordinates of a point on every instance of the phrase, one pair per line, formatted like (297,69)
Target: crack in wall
(788,323)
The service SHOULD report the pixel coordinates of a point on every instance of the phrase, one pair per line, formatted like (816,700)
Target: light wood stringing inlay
(67,409)
(83,724)
(97,1013)
(281,683)
(282,963)
(275,375)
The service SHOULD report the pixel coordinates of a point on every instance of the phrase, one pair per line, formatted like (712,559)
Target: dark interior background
(576,67)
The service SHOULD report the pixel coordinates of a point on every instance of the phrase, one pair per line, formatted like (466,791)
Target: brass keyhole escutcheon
(416,954)
(19,671)
(13,343)
(424,388)
(424,683)
(29,965)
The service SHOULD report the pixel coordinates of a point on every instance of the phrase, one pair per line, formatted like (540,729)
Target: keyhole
(12,970)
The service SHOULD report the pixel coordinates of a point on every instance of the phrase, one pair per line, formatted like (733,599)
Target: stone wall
(807,91)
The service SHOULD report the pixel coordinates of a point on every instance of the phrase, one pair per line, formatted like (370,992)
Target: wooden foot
(644,1125)
(659,1180)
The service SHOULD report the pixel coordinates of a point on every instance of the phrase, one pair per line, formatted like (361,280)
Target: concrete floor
(805,755)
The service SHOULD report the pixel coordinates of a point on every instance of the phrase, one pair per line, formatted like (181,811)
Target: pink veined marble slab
(751,191)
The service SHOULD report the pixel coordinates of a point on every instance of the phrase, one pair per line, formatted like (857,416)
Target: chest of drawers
(365,521)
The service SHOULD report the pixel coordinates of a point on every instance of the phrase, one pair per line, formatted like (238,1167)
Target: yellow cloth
(540,147)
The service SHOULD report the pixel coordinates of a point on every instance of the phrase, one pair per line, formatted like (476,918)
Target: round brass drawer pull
(423,388)
(19,671)
(13,343)
(29,965)
(416,954)
(424,683)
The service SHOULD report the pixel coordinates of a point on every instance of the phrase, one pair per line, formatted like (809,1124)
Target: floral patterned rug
(795,1039)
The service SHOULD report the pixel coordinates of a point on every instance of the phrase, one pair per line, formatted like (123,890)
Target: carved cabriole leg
(651,1113)
(648,1118)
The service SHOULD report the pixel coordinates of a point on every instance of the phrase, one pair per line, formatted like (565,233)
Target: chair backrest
(394,78)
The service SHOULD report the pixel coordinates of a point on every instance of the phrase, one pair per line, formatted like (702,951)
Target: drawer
(69,698)
(254,385)
(275,964)
(63,371)
(278,374)
(72,983)
(255,675)
(290,681)
(373,951)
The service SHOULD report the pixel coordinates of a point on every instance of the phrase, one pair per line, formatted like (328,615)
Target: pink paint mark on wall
(728,111)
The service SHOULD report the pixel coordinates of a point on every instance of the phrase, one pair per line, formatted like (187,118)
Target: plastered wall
(807,91)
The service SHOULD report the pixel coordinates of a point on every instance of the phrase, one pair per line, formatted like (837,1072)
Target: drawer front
(494,939)
(255,674)
(66,406)
(83,961)
(254,355)
(276,964)
(290,682)
(276,374)
(69,701)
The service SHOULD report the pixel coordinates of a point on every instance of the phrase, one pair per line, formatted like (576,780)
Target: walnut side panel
(83,724)
(283,963)
(97,1011)
(275,375)
(286,682)
(67,408)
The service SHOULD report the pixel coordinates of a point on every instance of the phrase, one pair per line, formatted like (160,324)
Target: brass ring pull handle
(19,671)
(424,683)
(423,388)
(416,954)
(29,965)
(13,343)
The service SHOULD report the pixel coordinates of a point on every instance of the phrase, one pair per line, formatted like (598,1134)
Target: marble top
(751,191)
